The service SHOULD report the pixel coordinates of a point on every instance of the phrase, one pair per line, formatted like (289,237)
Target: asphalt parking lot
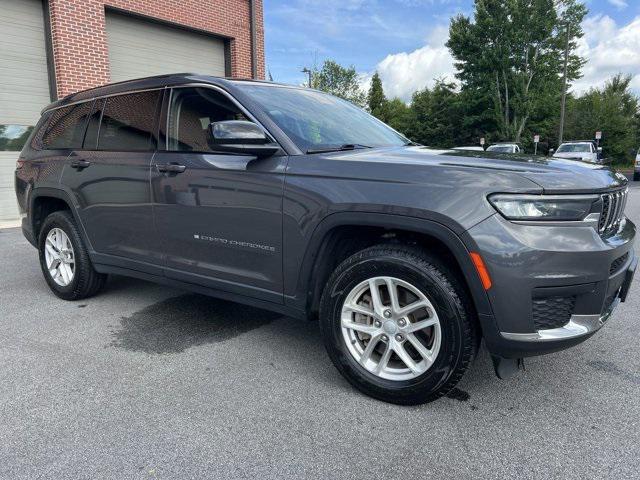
(144,381)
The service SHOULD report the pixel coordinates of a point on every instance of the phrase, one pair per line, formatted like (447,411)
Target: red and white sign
(598,135)
(536,138)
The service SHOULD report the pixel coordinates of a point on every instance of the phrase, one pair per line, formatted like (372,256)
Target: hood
(573,155)
(553,175)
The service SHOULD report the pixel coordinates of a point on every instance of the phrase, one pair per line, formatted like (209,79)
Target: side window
(128,122)
(66,127)
(191,110)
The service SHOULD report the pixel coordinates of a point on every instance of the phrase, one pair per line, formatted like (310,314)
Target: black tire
(460,334)
(636,176)
(86,281)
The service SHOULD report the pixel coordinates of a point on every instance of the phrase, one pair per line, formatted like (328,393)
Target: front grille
(618,263)
(612,210)
(552,312)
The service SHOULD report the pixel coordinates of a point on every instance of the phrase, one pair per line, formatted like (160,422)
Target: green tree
(514,49)
(14,139)
(437,115)
(614,110)
(3,139)
(376,101)
(399,116)
(340,81)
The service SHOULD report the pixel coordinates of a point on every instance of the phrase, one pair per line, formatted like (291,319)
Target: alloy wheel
(391,328)
(59,257)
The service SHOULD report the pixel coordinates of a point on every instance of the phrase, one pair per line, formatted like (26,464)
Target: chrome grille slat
(625,197)
(616,207)
(619,211)
(613,205)
(606,212)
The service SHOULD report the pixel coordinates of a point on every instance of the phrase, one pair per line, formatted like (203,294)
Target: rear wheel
(64,259)
(397,324)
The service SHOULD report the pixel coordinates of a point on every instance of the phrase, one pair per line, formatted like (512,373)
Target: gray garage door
(24,88)
(139,48)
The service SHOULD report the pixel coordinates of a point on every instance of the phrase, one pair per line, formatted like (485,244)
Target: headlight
(544,207)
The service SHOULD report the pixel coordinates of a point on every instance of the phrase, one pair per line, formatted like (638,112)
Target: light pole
(308,72)
(564,86)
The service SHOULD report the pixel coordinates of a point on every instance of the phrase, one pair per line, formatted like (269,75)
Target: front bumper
(533,263)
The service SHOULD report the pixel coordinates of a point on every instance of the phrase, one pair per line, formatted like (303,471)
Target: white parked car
(586,151)
(504,148)
(636,171)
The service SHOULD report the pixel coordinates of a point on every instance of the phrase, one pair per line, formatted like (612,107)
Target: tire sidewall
(447,309)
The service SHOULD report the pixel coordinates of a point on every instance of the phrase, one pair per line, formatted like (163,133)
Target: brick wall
(79,38)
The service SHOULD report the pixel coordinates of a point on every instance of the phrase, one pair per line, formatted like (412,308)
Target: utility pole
(564,85)
(308,72)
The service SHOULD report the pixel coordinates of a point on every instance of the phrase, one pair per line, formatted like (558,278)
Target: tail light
(19,163)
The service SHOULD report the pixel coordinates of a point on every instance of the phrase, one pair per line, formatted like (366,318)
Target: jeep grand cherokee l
(296,201)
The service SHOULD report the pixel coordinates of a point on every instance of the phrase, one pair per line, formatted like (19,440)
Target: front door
(218,215)
(109,177)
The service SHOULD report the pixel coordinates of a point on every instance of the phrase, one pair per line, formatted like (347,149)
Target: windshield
(313,119)
(500,148)
(574,148)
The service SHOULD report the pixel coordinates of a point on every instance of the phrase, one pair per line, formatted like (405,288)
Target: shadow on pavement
(178,323)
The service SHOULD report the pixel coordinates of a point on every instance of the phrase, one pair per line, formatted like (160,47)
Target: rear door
(219,215)
(109,177)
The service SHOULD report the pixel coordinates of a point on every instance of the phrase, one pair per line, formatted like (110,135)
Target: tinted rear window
(66,126)
(128,122)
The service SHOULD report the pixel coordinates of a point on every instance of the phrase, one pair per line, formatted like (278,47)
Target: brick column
(79,41)
(260,39)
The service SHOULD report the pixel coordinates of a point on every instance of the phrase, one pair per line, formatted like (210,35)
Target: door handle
(171,168)
(80,164)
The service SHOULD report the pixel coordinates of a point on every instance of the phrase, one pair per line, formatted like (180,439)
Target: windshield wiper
(337,148)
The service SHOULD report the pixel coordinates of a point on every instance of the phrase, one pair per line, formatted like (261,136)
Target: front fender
(459,246)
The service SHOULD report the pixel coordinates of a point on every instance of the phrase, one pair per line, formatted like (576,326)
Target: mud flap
(507,367)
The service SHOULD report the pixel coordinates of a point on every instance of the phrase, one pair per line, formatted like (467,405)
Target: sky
(404,40)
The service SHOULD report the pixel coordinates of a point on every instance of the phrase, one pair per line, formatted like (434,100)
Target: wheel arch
(45,200)
(328,248)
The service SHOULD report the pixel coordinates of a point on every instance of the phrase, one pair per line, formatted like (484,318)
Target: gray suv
(298,202)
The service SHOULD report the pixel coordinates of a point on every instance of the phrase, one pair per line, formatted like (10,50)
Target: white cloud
(406,72)
(620,4)
(609,49)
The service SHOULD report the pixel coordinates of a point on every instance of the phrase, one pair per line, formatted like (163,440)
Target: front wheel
(64,259)
(398,325)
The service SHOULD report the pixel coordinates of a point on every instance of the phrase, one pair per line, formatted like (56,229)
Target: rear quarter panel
(41,168)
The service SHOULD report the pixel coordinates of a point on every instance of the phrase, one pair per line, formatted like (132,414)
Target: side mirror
(551,150)
(241,137)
